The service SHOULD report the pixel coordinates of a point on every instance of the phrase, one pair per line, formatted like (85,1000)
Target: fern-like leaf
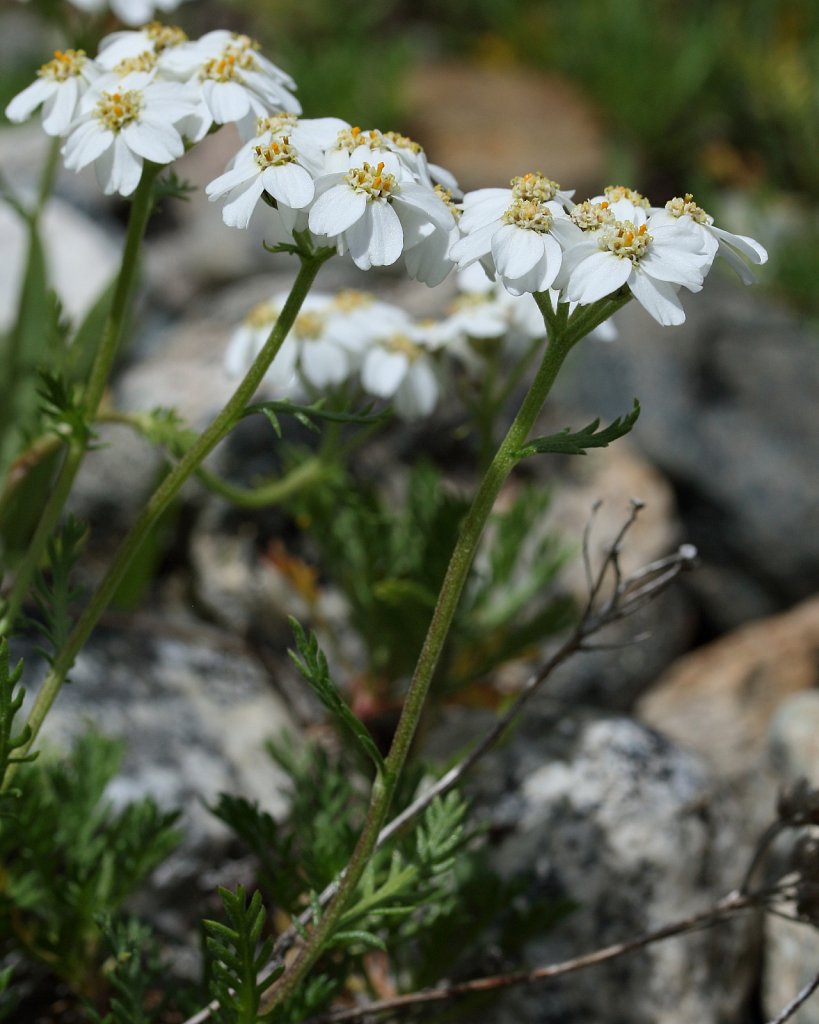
(11,701)
(312,664)
(237,955)
(54,593)
(568,443)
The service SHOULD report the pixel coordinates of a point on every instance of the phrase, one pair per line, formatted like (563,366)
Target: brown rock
(487,124)
(719,700)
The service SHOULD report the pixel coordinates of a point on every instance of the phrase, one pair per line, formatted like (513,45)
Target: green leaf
(312,664)
(308,414)
(568,443)
(54,593)
(11,701)
(236,957)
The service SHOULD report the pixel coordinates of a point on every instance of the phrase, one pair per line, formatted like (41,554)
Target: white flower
(138,50)
(735,249)
(248,340)
(131,12)
(59,87)
(271,167)
(373,215)
(654,260)
(124,123)
(235,82)
(282,161)
(519,234)
(399,366)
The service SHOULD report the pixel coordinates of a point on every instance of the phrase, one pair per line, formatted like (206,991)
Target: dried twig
(727,907)
(797,1001)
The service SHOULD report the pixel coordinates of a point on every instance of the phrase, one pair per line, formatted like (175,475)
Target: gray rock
(791,948)
(616,819)
(193,709)
(729,414)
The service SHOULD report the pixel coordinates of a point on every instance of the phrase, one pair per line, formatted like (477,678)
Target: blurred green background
(715,97)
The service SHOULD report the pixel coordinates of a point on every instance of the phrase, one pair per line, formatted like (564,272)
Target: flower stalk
(167,491)
(100,372)
(563,334)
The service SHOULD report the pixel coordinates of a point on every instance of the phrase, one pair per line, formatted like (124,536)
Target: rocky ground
(639,781)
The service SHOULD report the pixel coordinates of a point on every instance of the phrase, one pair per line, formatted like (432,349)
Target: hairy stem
(168,490)
(559,346)
(100,371)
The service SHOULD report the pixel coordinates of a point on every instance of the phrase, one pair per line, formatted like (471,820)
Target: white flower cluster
(534,238)
(356,342)
(130,12)
(371,194)
(147,95)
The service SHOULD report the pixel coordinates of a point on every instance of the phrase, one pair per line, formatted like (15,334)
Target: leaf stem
(169,488)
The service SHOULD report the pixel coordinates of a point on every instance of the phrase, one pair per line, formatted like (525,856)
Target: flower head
(121,124)
(58,89)
(735,249)
(653,259)
(519,234)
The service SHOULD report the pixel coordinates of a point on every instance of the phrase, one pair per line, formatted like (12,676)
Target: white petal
(61,108)
(418,392)
(516,250)
(337,209)
(238,211)
(667,263)
(383,372)
(385,241)
(657,297)
(748,247)
(597,276)
(323,364)
(228,101)
(474,245)
(154,140)
(25,102)
(86,144)
(234,178)
(290,185)
(120,169)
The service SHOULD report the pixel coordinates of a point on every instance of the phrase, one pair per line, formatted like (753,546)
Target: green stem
(100,371)
(167,491)
(559,346)
(307,474)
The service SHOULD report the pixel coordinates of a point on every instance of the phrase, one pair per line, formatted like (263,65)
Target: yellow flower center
(352,138)
(534,186)
(624,240)
(164,36)
(404,345)
(614,193)
(530,214)
(308,326)
(142,62)
(680,207)
(350,299)
(228,66)
(262,315)
(374,182)
(469,302)
(589,216)
(276,124)
(445,195)
(65,64)
(275,153)
(403,142)
(116,110)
